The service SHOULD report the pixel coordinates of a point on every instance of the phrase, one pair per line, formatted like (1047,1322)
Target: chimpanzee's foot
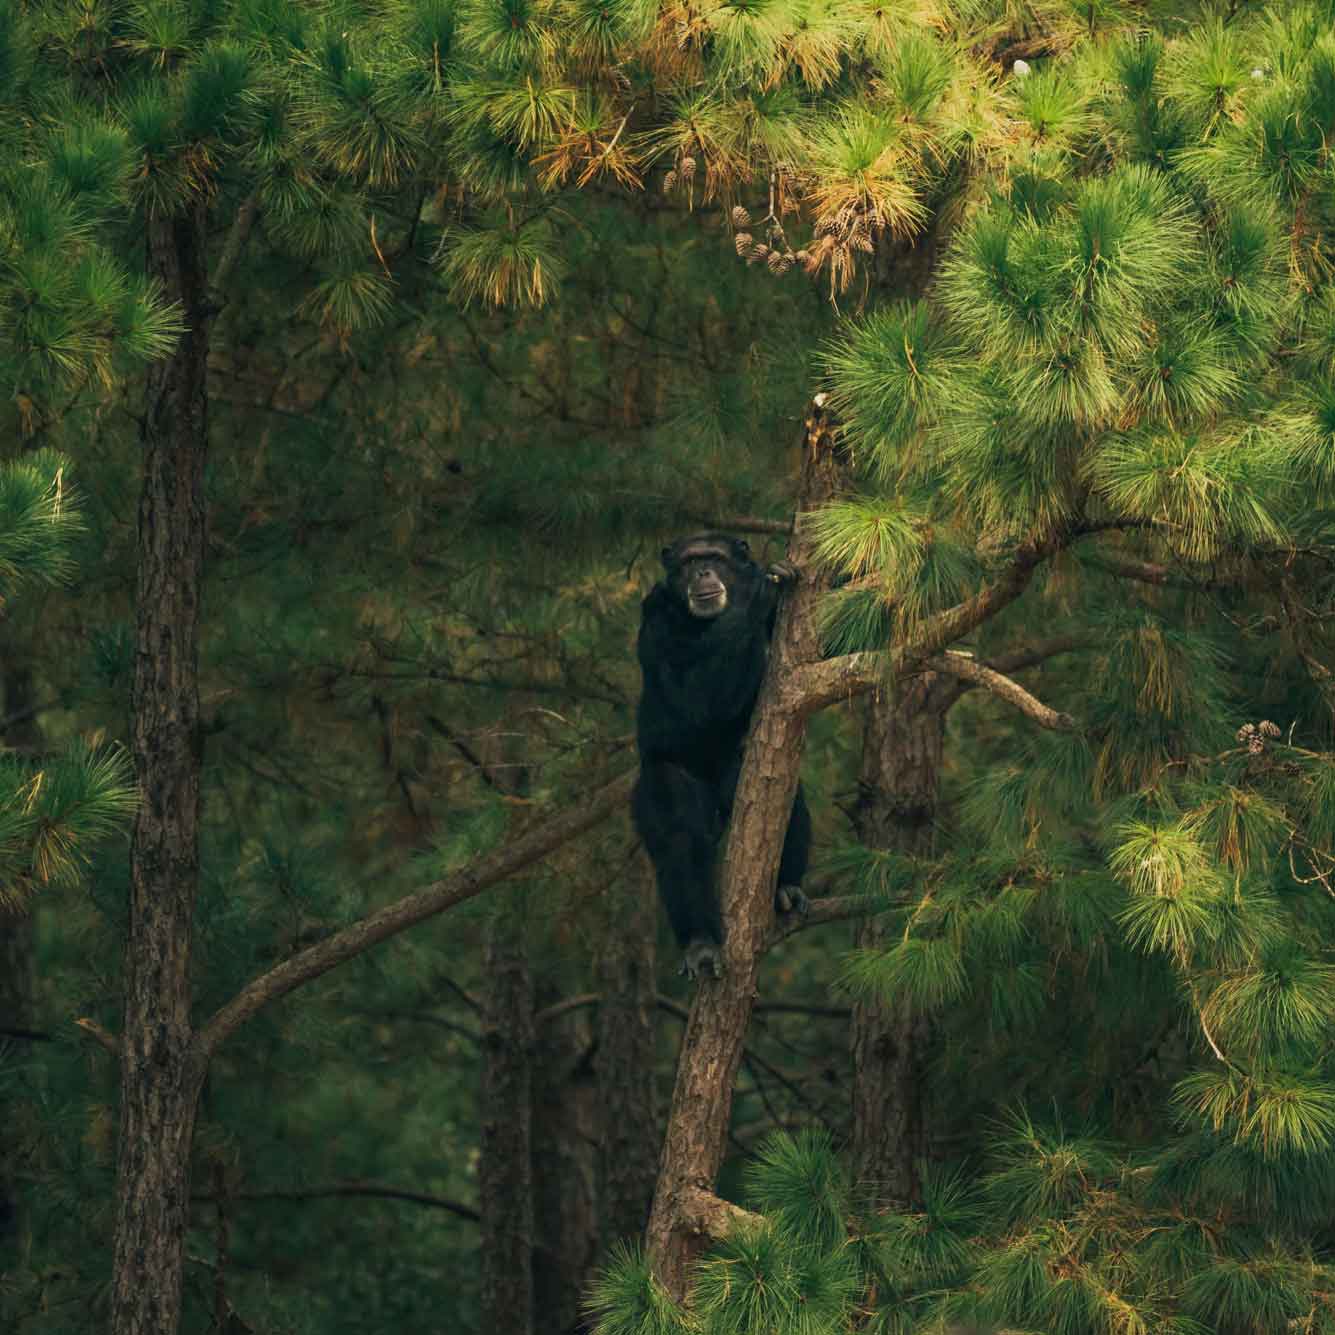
(790,899)
(703,959)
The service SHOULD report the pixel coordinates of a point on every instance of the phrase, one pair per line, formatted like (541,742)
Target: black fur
(702,672)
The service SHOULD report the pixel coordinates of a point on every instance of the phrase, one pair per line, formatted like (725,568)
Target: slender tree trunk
(686,1213)
(902,740)
(162,1070)
(15,1018)
(565,1171)
(625,1057)
(505,1172)
(16,954)
(903,736)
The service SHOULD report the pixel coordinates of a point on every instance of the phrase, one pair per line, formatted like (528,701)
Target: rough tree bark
(685,1210)
(624,1060)
(902,742)
(505,1164)
(899,785)
(566,1133)
(161,1070)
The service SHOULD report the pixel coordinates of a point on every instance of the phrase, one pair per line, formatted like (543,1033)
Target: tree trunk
(685,1213)
(15,1018)
(903,737)
(625,1057)
(505,1168)
(161,1068)
(16,954)
(565,1171)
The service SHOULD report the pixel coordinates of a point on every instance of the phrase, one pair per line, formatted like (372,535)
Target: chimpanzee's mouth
(709,604)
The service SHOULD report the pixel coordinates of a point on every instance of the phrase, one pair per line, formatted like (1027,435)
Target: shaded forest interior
(358,382)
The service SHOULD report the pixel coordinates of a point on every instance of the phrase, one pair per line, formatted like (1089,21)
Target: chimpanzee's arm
(777,578)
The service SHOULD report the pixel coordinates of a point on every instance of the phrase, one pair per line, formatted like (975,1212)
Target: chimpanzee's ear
(666,554)
(742,549)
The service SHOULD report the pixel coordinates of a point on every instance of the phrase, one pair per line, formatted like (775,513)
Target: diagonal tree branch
(1152,572)
(1031,655)
(814,685)
(965,666)
(237,236)
(513,856)
(836,908)
(949,690)
(376,1190)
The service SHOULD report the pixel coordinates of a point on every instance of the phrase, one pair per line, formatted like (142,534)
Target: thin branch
(1031,655)
(455,740)
(376,1190)
(560,1008)
(837,908)
(1152,572)
(463,994)
(237,237)
(815,685)
(949,690)
(793,1008)
(437,1022)
(747,524)
(105,1037)
(957,664)
(584,1000)
(679,1012)
(514,855)
(702,1213)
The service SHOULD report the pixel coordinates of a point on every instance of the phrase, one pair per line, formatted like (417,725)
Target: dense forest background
(359,360)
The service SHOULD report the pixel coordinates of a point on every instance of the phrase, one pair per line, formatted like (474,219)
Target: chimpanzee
(704,637)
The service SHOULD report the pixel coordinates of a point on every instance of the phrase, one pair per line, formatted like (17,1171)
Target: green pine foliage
(53,812)
(536,283)
(1115,352)
(1059,1232)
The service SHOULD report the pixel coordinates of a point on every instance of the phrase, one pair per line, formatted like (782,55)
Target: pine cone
(758,252)
(740,217)
(687,166)
(802,257)
(1268,729)
(778,262)
(669,183)
(743,242)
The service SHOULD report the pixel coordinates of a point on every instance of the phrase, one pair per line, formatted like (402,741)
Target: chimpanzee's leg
(793,861)
(796,843)
(677,816)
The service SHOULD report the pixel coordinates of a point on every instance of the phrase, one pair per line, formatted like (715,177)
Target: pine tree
(1114,383)
(1119,359)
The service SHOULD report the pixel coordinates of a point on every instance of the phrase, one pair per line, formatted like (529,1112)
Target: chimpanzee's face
(704,579)
(704,574)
